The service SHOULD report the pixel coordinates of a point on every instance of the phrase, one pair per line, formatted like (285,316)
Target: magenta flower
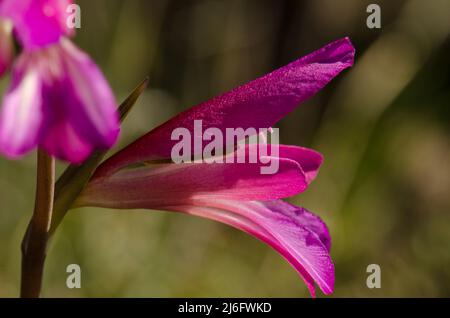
(58,98)
(142,175)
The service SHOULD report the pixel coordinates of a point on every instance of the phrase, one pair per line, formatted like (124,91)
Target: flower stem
(34,244)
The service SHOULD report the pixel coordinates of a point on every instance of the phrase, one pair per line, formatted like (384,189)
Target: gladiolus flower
(58,98)
(143,176)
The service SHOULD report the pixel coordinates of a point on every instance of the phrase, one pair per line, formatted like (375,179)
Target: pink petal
(37,23)
(157,185)
(296,236)
(304,217)
(89,101)
(258,104)
(6,46)
(62,141)
(308,159)
(21,114)
(79,105)
(69,110)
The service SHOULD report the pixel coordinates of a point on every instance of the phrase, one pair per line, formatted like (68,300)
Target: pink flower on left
(58,98)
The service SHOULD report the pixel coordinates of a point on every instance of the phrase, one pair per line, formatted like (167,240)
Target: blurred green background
(383,127)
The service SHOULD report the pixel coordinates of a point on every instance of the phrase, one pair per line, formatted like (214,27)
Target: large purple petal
(292,232)
(37,23)
(297,234)
(258,104)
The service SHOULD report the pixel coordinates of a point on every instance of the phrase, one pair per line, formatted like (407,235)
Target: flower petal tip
(340,51)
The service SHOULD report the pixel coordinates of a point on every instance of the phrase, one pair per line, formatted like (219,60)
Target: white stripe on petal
(21,115)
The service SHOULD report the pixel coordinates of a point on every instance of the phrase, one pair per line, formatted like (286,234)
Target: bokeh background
(383,126)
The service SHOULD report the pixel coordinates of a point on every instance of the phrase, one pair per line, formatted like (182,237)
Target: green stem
(52,203)
(34,244)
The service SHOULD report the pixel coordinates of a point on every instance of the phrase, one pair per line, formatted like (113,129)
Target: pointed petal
(258,104)
(291,232)
(157,185)
(21,114)
(37,23)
